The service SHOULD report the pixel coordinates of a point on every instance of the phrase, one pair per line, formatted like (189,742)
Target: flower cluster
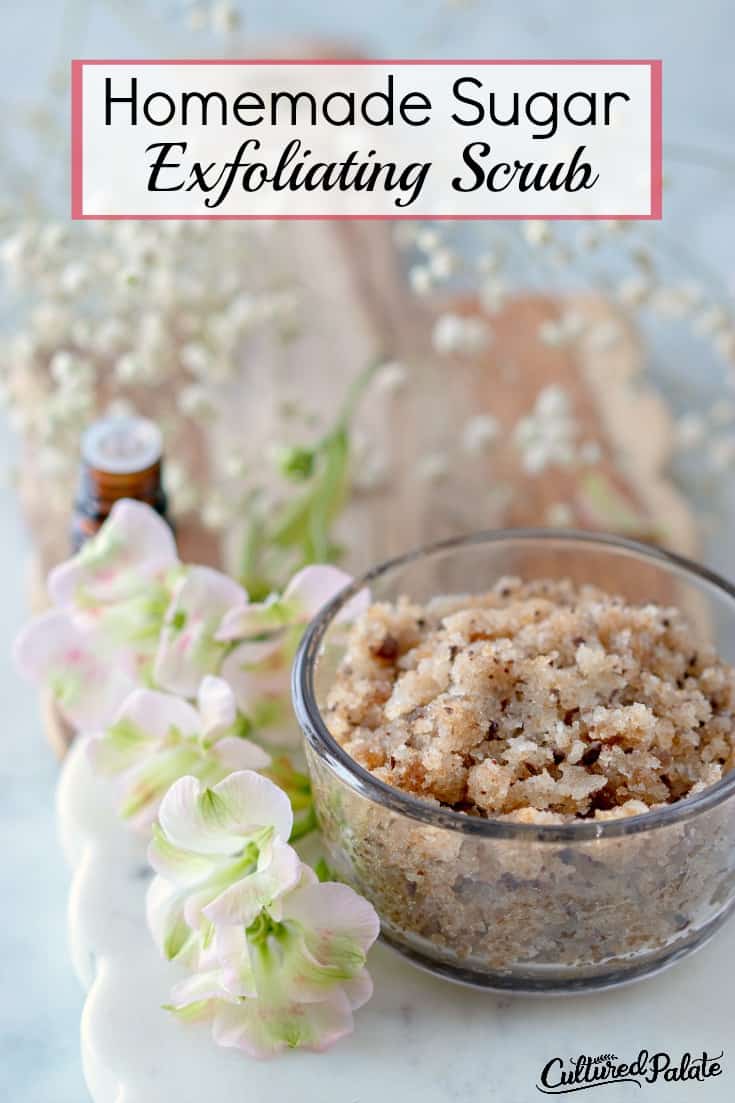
(171,665)
(656,284)
(276,958)
(118,313)
(547,436)
(178,677)
(163,318)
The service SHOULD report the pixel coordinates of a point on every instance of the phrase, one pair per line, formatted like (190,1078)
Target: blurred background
(381,386)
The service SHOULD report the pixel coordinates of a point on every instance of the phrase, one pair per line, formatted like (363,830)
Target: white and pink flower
(278,959)
(157,738)
(66,659)
(188,645)
(172,669)
(133,548)
(308,591)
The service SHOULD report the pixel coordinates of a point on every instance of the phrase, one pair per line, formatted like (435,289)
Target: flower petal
(251,801)
(254,618)
(336,915)
(359,989)
(166,922)
(159,714)
(279,869)
(264,1029)
(312,587)
(217,706)
(195,990)
(188,649)
(147,783)
(240,754)
(231,949)
(256,670)
(57,654)
(308,980)
(132,623)
(133,545)
(177,865)
(216,821)
(119,748)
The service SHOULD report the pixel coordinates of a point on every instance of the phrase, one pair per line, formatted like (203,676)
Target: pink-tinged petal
(312,587)
(217,706)
(282,737)
(187,648)
(240,754)
(252,619)
(254,653)
(134,545)
(41,641)
(231,949)
(256,670)
(279,868)
(119,748)
(264,1029)
(307,876)
(64,581)
(159,715)
(199,988)
(55,653)
(358,990)
(332,911)
(216,821)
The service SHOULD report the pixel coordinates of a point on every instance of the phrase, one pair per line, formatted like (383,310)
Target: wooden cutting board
(358,306)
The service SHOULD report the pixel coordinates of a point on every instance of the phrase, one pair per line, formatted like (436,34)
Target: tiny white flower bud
(479,433)
(391,377)
(537,232)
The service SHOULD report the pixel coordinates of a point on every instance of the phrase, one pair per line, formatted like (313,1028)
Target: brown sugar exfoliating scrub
(538,702)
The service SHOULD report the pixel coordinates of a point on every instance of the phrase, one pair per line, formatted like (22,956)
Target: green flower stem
(301,529)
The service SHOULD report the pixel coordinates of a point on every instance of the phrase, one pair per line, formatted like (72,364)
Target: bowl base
(549,980)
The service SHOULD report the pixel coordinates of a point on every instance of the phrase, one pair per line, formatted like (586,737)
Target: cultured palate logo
(562,1076)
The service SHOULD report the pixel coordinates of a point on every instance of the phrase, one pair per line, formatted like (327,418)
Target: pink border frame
(77,163)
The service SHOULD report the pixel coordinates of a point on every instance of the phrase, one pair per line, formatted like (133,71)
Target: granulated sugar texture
(539,702)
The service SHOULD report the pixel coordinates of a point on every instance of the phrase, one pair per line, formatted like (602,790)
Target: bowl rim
(373,789)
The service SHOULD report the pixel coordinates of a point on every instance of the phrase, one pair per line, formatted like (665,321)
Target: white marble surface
(420,1040)
(41,999)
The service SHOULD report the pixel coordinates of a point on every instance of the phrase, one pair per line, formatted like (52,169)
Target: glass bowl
(514,906)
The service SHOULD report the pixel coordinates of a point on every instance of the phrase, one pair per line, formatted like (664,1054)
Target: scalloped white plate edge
(419,1039)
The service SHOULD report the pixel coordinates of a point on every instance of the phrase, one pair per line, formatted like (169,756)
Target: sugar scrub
(536,702)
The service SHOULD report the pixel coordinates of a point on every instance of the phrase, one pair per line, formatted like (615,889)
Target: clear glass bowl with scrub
(518,906)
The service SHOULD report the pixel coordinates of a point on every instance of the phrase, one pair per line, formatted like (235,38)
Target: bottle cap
(122,445)
(122,457)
